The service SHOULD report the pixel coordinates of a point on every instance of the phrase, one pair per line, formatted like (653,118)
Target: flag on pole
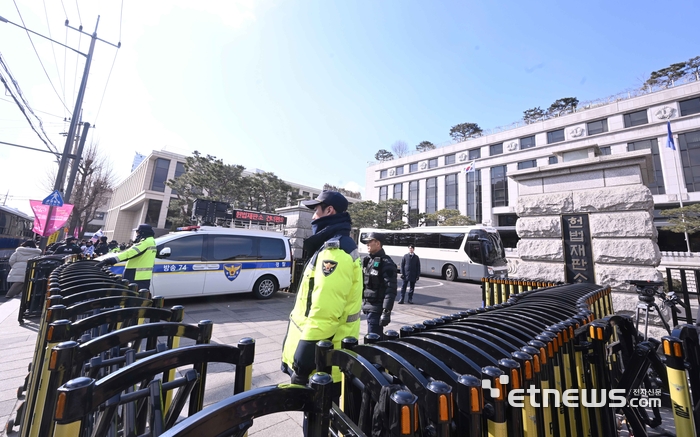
(96,236)
(470,167)
(669,140)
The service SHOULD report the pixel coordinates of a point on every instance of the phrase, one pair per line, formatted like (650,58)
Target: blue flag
(669,141)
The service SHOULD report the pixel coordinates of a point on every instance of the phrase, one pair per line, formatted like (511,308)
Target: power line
(12,94)
(53,51)
(36,110)
(113,62)
(39,57)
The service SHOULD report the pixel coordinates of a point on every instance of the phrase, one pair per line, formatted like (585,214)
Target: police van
(207,260)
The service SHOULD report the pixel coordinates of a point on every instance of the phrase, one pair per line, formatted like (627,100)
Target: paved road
(235,317)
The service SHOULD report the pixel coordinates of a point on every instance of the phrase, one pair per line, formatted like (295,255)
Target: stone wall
(622,232)
(298,226)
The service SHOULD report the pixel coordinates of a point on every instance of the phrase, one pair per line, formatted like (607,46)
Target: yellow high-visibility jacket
(327,306)
(140,258)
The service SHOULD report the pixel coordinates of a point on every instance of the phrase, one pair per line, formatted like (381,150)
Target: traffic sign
(53,199)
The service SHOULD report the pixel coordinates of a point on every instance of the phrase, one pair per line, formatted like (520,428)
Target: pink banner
(59,216)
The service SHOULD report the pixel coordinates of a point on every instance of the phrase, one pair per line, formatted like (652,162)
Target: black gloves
(298,379)
(110,261)
(385,319)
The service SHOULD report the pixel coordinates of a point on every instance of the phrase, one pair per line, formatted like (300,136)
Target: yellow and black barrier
(497,290)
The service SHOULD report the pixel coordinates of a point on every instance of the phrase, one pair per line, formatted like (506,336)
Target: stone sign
(578,256)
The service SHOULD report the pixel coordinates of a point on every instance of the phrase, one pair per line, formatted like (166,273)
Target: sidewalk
(234,317)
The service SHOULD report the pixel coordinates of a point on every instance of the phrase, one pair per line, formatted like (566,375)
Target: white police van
(208,260)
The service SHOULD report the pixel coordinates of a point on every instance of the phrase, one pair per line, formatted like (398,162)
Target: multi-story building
(432,180)
(144,196)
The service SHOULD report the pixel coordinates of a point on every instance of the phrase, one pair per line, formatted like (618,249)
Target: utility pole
(63,165)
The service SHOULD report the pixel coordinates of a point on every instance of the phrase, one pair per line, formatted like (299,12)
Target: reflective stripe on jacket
(328,302)
(140,258)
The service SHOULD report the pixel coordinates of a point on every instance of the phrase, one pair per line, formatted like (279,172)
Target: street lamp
(61,176)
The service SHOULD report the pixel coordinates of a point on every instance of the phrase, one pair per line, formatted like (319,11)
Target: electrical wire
(121,12)
(4,67)
(39,57)
(36,110)
(79,17)
(53,51)
(2,79)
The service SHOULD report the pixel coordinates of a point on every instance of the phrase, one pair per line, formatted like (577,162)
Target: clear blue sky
(310,90)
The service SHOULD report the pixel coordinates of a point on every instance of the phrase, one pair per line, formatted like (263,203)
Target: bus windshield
(492,250)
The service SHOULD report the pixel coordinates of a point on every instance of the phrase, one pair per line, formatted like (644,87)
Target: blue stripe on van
(189,267)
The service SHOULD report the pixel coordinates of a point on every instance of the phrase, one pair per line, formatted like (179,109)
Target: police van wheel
(265,287)
(450,273)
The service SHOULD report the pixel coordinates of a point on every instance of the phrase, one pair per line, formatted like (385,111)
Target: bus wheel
(265,287)
(450,273)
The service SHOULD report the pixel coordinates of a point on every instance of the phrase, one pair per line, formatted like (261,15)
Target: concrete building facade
(144,196)
(436,179)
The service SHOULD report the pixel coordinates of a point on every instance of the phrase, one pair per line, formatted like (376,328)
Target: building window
(160,174)
(450,159)
(475,154)
(553,160)
(399,170)
(383,193)
(306,195)
(657,185)
(153,212)
(451,191)
(398,191)
(689,145)
(413,203)
(636,118)
(412,168)
(555,136)
(431,195)
(597,127)
(495,149)
(382,174)
(691,106)
(499,186)
(507,219)
(179,171)
(99,216)
(527,142)
(527,164)
(432,163)
(605,150)
(474,195)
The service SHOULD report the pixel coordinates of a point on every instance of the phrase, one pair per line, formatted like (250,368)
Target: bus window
(451,241)
(430,241)
(474,251)
(405,239)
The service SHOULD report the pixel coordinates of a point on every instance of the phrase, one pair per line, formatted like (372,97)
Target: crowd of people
(70,246)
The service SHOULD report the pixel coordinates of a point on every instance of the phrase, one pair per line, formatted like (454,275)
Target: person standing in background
(410,273)
(379,292)
(18,262)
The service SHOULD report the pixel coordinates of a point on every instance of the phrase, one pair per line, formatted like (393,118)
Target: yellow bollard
(678,387)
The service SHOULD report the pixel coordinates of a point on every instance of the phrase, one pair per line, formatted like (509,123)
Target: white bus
(451,252)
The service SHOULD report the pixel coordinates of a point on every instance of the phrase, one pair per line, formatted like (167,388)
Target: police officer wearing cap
(380,284)
(139,258)
(329,295)
(70,247)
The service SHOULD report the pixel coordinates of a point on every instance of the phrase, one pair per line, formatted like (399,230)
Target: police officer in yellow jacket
(139,257)
(329,297)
